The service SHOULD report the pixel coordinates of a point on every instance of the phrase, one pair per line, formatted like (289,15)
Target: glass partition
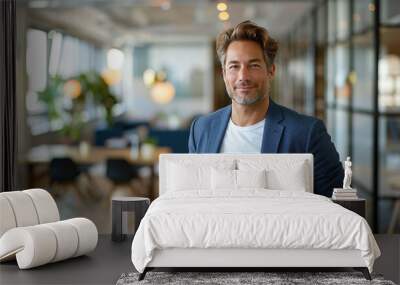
(389,70)
(362,15)
(330,75)
(362,150)
(343,17)
(390,11)
(342,84)
(362,114)
(331,21)
(364,68)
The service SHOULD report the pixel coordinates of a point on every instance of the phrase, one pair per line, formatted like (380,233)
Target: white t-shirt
(246,139)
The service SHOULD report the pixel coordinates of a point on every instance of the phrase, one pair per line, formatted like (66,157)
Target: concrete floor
(110,259)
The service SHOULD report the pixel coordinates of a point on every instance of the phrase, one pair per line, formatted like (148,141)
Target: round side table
(119,205)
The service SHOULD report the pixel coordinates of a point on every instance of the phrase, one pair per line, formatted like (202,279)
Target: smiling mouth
(245,87)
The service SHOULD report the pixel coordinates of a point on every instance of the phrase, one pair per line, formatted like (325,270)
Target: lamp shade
(72,88)
(162,92)
(111,76)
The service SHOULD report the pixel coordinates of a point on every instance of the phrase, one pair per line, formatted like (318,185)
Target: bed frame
(248,259)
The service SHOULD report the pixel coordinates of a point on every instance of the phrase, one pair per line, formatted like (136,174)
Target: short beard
(247,101)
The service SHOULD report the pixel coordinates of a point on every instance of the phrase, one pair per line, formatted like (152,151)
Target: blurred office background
(104,86)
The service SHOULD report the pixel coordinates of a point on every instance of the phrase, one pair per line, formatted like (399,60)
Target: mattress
(250,219)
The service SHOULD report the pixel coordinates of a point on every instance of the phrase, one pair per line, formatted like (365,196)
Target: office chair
(121,172)
(64,173)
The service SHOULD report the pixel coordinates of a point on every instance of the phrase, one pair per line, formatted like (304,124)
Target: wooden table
(43,154)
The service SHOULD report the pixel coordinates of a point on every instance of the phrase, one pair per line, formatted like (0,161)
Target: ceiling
(119,22)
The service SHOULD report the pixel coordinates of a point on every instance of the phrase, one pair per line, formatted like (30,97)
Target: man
(253,123)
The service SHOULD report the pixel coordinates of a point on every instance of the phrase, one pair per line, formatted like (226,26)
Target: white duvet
(253,218)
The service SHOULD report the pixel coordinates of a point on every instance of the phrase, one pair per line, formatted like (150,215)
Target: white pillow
(251,178)
(184,175)
(292,179)
(280,174)
(225,179)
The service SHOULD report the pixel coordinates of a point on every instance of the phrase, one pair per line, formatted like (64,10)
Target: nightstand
(119,205)
(356,205)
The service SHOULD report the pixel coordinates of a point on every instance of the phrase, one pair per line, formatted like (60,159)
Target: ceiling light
(223,16)
(221,6)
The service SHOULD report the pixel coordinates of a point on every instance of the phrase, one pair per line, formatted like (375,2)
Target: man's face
(245,73)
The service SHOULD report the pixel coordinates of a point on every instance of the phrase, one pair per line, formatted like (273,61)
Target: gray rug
(228,278)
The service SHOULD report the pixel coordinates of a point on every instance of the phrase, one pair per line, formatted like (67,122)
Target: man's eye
(233,66)
(255,65)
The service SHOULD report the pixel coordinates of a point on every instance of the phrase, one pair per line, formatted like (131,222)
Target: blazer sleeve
(328,170)
(192,141)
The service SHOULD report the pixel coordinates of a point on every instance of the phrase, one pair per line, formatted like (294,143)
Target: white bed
(202,220)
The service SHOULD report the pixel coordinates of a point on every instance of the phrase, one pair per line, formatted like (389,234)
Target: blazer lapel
(272,129)
(217,131)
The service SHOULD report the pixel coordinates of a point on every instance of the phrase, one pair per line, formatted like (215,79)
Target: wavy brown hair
(247,31)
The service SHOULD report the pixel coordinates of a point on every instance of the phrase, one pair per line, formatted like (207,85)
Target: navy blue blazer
(285,131)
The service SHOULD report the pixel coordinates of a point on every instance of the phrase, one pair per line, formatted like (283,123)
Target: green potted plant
(80,89)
